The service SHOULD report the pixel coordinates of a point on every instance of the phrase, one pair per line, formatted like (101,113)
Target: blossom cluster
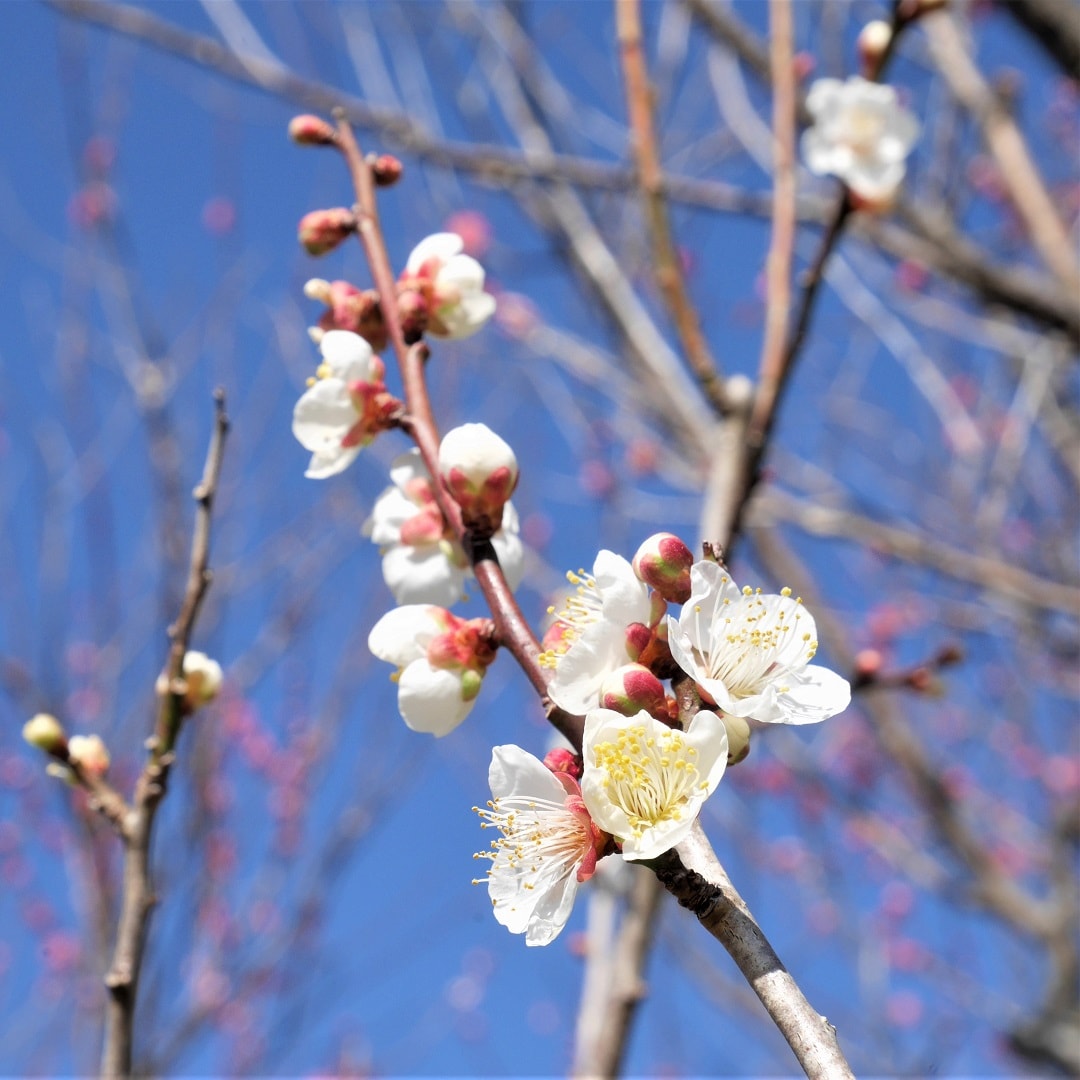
(644,769)
(643,779)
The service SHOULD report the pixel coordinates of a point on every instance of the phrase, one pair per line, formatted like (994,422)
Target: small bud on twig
(322,230)
(386,170)
(308,130)
(46,733)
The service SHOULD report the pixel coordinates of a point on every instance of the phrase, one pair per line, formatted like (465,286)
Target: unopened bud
(89,753)
(203,677)
(868,664)
(561,760)
(413,311)
(631,688)
(480,471)
(386,170)
(663,562)
(46,733)
(308,130)
(738,738)
(318,289)
(872,44)
(322,230)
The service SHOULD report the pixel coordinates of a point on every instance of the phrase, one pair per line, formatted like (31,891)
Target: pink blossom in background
(219,215)
(474,229)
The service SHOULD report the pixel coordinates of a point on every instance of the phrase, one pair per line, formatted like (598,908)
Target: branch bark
(138,900)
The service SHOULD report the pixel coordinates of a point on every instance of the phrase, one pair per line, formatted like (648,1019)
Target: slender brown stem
(666,265)
(778,264)
(511,627)
(138,900)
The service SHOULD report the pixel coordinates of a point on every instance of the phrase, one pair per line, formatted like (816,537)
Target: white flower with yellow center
(547,847)
(645,782)
(588,639)
(861,134)
(750,654)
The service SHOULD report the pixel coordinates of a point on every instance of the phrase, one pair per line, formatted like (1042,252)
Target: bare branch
(666,266)
(122,978)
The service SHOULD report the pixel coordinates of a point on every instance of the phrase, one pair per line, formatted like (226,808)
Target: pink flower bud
(663,562)
(561,760)
(413,313)
(386,170)
(89,753)
(308,130)
(322,230)
(630,689)
(46,733)
(480,471)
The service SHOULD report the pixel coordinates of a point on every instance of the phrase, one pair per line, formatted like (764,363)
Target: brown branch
(666,264)
(1007,147)
(138,899)
(772,369)
(695,877)
(1015,286)
(614,1009)
(512,629)
(1001,578)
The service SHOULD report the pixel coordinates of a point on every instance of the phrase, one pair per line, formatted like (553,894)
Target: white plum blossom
(645,782)
(450,286)
(860,134)
(548,844)
(422,561)
(480,471)
(345,406)
(441,661)
(750,654)
(588,640)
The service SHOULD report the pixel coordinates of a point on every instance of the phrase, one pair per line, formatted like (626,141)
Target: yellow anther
(786,590)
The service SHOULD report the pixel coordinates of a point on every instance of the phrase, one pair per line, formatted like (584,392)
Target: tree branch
(122,978)
(666,265)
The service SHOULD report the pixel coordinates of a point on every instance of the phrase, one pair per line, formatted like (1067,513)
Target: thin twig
(138,899)
(666,264)
(1008,149)
(512,629)
(1015,286)
(781,248)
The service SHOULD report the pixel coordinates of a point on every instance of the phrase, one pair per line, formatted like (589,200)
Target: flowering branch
(138,899)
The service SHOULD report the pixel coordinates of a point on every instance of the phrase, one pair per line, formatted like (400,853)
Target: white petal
(441,246)
(391,510)
(812,695)
(331,462)
(552,910)
(429,699)
(403,635)
(422,575)
(348,355)
(514,771)
(323,416)
(624,598)
(408,466)
(579,674)
(461,272)
(824,94)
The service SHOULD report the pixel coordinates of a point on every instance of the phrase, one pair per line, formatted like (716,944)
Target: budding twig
(138,900)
